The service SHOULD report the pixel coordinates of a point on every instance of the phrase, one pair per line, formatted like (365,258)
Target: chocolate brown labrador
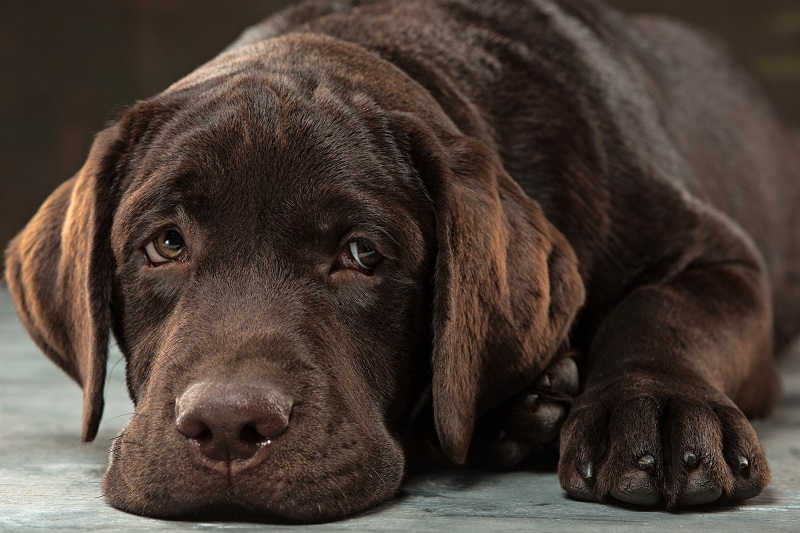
(365,220)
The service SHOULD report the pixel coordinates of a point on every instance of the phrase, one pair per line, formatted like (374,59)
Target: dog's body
(278,240)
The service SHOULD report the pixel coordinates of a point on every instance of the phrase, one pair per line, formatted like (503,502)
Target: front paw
(528,422)
(643,441)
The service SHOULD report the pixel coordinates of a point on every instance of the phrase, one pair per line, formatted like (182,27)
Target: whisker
(119,416)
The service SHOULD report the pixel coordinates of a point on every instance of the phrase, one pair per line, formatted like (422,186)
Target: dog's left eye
(168,246)
(360,255)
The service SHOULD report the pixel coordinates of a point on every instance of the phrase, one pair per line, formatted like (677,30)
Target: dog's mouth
(265,494)
(321,467)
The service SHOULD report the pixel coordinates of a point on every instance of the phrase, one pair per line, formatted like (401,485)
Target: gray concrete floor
(49,480)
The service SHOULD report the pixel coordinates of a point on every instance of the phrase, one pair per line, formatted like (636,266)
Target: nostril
(250,435)
(193,428)
(272,424)
(205,436)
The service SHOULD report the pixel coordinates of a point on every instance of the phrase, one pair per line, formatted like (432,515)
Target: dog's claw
(543,382)
(690,459)
(586,470)
(742,463)
(646,462)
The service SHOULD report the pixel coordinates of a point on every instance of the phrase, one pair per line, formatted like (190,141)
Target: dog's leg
(672,372)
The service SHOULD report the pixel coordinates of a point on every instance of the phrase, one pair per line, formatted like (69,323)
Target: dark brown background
(66,68)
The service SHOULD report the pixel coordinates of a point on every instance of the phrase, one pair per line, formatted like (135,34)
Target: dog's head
(294,247)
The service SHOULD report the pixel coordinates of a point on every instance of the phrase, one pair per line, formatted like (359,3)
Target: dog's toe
(580,484)
(744,456)
(583,444)
(560,377)
(699,488)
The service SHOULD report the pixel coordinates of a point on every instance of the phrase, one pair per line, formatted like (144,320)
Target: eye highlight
(361,256)
(168,246)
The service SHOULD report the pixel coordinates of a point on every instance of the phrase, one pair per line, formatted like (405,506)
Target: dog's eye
(168,246)
(361,256)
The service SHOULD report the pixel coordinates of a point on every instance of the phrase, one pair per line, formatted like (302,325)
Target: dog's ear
(59,270)
(506,283)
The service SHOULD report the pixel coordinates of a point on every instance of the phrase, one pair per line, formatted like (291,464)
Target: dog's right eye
(167,247)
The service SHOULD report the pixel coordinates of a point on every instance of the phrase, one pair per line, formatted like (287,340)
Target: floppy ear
(506,283)
(59,270)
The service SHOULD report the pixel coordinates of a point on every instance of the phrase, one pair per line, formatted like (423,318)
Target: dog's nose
(230,421)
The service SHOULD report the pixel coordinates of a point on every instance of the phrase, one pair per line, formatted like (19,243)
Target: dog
(372,232)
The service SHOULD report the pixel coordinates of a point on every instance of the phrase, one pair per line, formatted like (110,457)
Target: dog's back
(652,105)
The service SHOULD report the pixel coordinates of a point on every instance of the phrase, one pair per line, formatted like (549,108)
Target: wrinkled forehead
(271,152)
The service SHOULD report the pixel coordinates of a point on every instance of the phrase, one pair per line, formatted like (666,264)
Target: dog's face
(294,248)
(298,246)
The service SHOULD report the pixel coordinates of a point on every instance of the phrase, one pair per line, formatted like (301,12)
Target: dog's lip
(229,468)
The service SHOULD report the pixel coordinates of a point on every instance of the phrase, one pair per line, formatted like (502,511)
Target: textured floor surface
(49,480)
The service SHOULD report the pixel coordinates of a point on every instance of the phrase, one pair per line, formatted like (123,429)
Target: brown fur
(538,175)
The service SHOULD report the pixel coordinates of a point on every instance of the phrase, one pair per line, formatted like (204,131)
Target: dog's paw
(645,442)
(528,422)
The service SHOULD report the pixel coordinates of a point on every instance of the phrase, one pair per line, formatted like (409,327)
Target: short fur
(543,178)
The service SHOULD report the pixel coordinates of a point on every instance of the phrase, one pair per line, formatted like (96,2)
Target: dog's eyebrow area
(225,184)
(315,227)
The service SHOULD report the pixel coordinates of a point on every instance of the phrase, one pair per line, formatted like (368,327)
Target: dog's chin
(232,505)
(284,491)
(227,508)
